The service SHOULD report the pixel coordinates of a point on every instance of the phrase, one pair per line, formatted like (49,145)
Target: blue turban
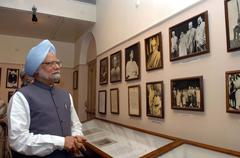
(37,55)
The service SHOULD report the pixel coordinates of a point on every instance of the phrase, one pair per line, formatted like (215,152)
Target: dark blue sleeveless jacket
(49,112)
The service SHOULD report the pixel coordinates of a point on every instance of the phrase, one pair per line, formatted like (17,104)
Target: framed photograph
(187,93)
(132,62)
(189,38)
(12,78)
(102,101)
(232,21)
(116,67)
(10,94)
(154,98)
(153,52)
(134,100)
(75,79)
(103,76)
(233,91)
(114,100)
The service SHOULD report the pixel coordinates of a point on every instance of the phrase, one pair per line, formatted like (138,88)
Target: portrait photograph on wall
(116,67)
(102,101)
(114,100)
(187,93)
(232,21)
(12,78)
(132,62)
(75,79)
(154,98)
(103,76)
(134,100)
(153,52)
(233,91)
(189,38)
(10,94)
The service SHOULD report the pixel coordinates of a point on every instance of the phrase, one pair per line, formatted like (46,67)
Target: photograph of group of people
(233,91)
(189,38)
(187,93)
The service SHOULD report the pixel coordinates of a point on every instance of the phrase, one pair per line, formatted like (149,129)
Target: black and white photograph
(116,67)
(153,52)
(233,91)
(102,101)
(187,93)
(12,78)
(103,76)
(75,79)
(103,142)
(189,38)
(114,100)
(132,62)
(134,100)
(232,21)
(154,98)
(10,94)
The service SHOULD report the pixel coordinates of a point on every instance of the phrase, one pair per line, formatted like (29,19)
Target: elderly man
(41,117)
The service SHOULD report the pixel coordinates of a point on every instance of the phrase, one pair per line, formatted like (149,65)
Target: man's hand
(79,142)
(69,144)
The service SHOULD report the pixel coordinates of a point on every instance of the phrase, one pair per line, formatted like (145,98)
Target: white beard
(55,77)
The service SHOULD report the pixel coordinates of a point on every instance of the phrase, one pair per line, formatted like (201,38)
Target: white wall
(14,50)
(213,126)
(64,8)
(119,20)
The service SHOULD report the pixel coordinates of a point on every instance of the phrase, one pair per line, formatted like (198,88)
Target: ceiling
(19,23)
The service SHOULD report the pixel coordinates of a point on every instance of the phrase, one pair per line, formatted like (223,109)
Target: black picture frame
(75,79)
(132,62)
(12,78)
(232,91)
(187,93)
(155,99)
(114,100)
(153,52)
(10,94)
(134,100)
(103,73)
(116,67)
(189,38)
(102,101)
(232,21)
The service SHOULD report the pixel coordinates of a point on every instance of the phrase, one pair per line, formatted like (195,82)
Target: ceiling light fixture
(34,14)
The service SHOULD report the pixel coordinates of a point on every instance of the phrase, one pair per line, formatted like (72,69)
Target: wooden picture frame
(153,52)
(10,94)
(75,79)
(134,100)
(187,93)
(132,62)
(102,101)
(116,67)
(114,100)
(232,91)
(154,99)
(103,73)
(189,38)
(12,78)
(232,21)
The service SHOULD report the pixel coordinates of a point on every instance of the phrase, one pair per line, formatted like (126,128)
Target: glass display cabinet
(108,139)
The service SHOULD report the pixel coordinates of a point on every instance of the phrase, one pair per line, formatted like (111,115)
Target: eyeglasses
(52,63)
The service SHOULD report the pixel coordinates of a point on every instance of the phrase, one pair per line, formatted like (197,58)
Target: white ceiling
(19,23)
